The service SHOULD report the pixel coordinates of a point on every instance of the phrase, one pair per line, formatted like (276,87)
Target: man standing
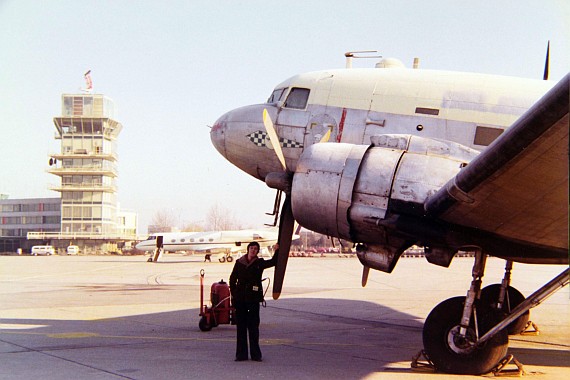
(247,293)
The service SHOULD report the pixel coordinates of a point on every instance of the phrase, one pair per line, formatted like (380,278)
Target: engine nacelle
(344,190)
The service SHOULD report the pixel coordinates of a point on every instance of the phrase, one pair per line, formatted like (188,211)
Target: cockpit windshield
(297,98)
(151,237)
(277,95)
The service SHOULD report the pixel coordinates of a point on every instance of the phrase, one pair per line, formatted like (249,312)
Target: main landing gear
(469,335)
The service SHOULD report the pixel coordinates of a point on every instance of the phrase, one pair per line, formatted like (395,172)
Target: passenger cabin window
(486,135)
(297,98)
(277,95)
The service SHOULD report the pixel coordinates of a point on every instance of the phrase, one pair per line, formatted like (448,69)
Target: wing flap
(518,187)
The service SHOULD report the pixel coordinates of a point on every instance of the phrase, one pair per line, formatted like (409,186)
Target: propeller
(365,273)
(274,140)
(286,221)
(286,226)
(547,63)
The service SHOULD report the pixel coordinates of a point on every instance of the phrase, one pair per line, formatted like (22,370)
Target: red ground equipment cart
(221,311)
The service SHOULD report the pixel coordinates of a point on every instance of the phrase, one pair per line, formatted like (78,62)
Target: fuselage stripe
(341,125)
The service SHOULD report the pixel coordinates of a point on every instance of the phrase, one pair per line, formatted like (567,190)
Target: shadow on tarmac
(300,338)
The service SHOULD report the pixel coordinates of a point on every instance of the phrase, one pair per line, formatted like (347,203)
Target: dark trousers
(247,319)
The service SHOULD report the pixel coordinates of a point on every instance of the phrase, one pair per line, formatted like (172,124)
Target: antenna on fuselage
(416,63)
(547,62)
(351,54)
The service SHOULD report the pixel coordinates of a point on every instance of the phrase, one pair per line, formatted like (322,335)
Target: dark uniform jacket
(245,280)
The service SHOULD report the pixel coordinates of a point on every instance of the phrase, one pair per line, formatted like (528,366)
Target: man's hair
(253,244)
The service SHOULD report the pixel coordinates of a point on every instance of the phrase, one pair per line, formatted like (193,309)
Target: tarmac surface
(120,317)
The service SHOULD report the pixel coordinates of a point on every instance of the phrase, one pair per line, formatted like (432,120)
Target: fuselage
(210,242)
(355,104)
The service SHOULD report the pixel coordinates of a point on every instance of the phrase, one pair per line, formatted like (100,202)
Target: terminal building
(87,212)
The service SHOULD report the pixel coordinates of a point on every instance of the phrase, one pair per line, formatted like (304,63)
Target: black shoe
(240,359)
(257,359)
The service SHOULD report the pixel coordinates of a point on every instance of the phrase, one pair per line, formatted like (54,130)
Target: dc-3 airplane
(226,242)
(389,157)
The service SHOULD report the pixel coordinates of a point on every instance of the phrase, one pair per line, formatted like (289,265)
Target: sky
(173,67)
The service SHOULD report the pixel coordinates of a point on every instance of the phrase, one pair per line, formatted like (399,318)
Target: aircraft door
(375,121)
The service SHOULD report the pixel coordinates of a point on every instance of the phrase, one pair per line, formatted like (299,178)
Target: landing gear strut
(467,335)
(454,326)
(505,298)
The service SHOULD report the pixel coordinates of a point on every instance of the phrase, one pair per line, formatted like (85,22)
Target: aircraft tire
(489,296)
(449,353)
(204,325)
(222,259)
(230,259)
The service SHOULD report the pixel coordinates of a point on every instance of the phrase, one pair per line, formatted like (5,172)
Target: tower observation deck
(87,165)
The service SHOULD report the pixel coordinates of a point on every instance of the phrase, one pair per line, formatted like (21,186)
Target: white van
(73,250)
(42,250)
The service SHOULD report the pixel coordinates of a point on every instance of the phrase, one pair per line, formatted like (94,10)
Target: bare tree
(164,220)
(221,219)
(192,227)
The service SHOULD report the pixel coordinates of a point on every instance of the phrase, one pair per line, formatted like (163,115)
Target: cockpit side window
(297,98)
(277,95)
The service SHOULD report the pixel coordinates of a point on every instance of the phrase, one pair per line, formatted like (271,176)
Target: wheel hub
(459,344)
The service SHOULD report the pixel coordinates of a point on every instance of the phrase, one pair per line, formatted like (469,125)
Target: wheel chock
(500,370)
(425,366)
(527,331)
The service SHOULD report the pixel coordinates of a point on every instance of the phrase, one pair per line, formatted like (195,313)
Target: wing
(518,187)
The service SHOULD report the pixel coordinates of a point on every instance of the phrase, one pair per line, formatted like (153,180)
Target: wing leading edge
(517,189)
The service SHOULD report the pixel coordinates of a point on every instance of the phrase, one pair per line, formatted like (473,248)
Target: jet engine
(346,191)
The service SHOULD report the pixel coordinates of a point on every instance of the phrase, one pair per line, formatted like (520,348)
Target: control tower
(87,165)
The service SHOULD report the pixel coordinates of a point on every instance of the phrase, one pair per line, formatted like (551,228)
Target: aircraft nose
(239,136)
(218,134)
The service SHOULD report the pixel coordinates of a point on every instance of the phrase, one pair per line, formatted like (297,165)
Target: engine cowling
(343,190)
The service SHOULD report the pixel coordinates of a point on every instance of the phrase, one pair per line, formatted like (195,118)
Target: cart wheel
(204,325)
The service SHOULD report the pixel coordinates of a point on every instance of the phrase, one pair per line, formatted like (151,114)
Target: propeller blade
(326,137)
(273,138)
(547,63)
(365,273)
(286,225)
